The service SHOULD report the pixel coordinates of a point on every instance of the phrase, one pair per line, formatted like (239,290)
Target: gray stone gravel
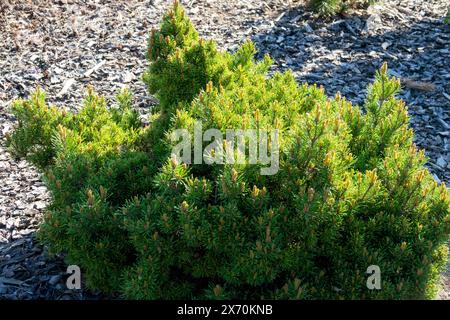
(64,45)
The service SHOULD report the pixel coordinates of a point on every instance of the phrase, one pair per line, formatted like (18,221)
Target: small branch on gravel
(93,69)
(67,84)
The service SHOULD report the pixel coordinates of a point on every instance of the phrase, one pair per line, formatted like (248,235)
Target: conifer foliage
(351,190)
(326,8)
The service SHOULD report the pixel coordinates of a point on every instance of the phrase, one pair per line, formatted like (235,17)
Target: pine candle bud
(264,192)
(174,162)
(255,192)
(317,115)
(276,123)
(257,116)
(184,206)
(443,196)
(310,194)
(209,87)
(403,246)
(224,186)
(328,159)
(396,155)
(337,125)
(360,177)
(90,197)
(296,283)
(102,193)
(245,121)
(326,195)
(217,290)
(383,69)
(234,175)
(337,96)
(327,107)
(322,89)
(372,175)
(62,132)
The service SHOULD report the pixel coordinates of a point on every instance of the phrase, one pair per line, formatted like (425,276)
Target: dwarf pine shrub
(328,8)
(37,123)
(90,166)
(350,191)
(182,64)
